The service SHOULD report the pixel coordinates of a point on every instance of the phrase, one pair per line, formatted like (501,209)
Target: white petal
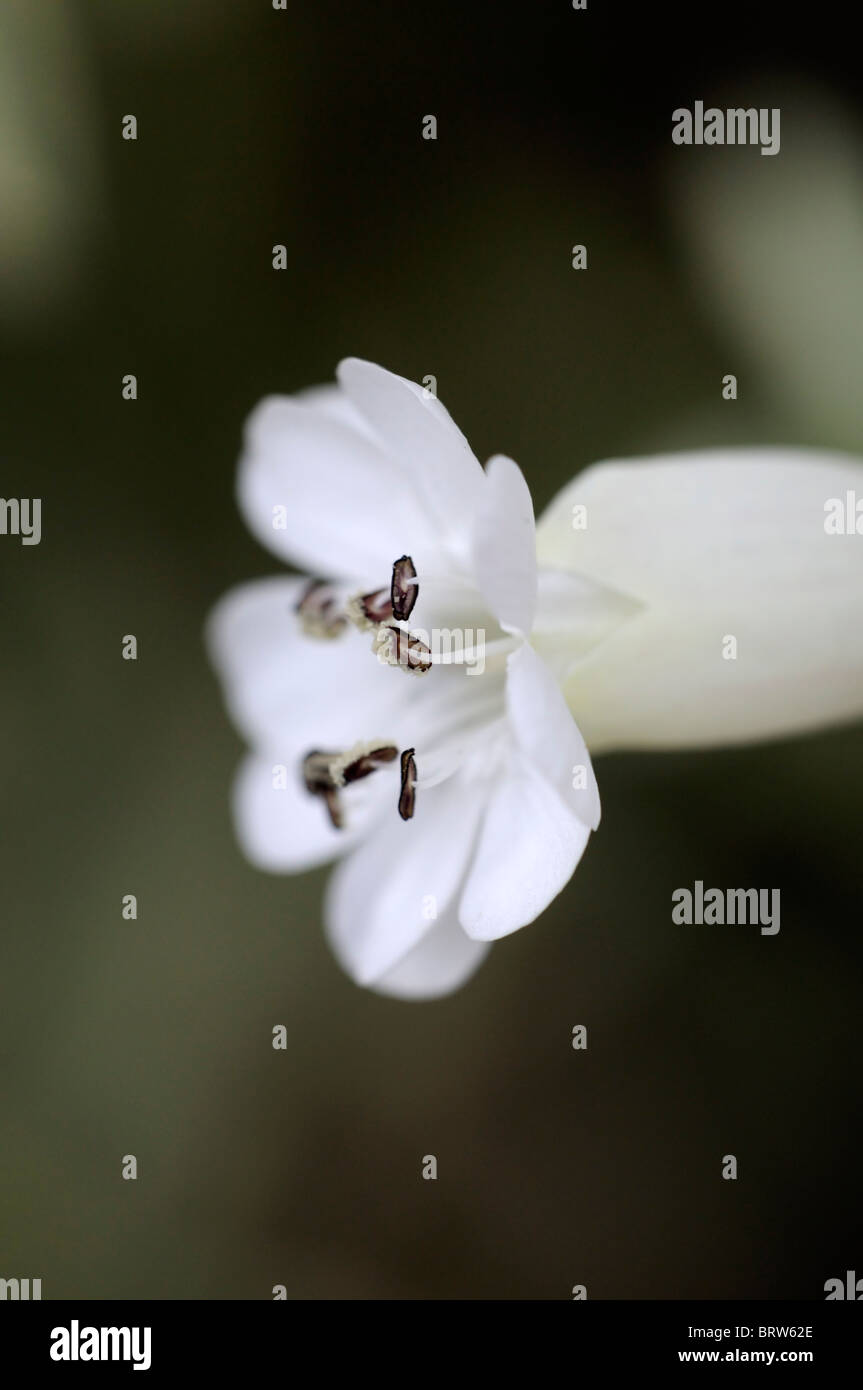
(289,693)
(283,829)
(388,894)
(421,439)
(332,401)
(716,544)
(324,496)
(546,732)
(504,546)
(441,962)
(529,846)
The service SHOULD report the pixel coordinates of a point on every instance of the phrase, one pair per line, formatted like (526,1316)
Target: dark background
(153,1037)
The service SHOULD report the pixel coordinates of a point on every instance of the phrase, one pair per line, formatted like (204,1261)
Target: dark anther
(407,651)
(318,778)
(368,762)
(408,793)
(316,770)
(318,610)
(403,589)
(376,607)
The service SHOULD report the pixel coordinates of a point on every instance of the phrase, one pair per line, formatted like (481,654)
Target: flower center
(461,723)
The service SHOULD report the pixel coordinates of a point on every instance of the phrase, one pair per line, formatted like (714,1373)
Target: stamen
(318,611)
(367,611)
(325,773)
(404,589)
(394,647)
(408,794)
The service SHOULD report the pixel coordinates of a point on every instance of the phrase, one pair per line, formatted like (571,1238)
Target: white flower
(462,799)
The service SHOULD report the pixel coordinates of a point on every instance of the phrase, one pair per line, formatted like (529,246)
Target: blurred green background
(452,258)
